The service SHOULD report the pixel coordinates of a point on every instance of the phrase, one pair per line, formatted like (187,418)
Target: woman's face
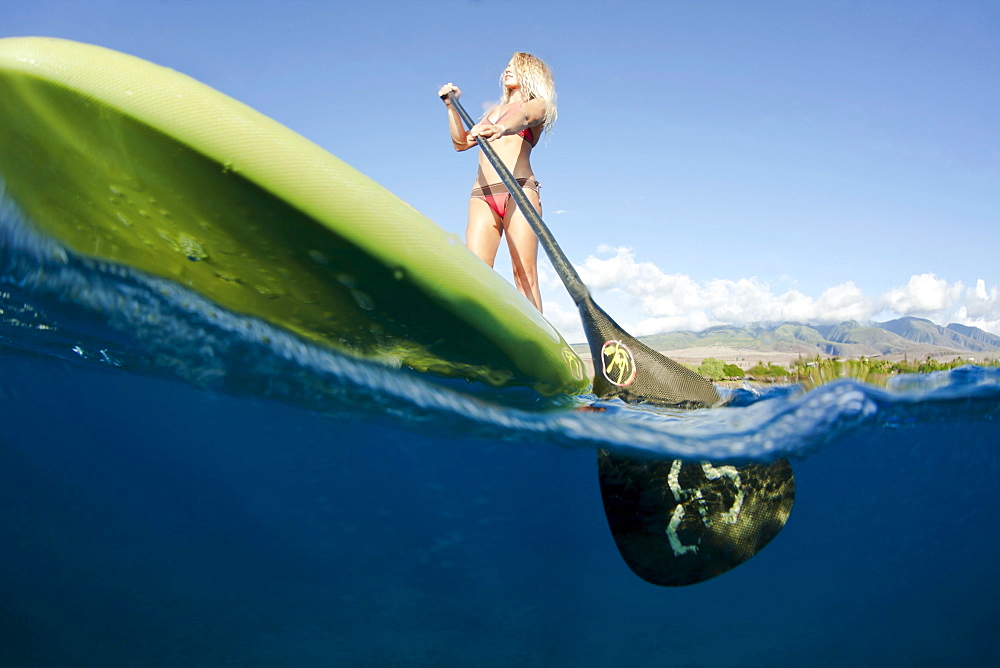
(510,77)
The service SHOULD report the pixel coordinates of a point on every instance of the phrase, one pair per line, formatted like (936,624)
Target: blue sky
(714,162)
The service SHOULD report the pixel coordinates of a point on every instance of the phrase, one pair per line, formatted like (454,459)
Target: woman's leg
(523,245)
(483,232)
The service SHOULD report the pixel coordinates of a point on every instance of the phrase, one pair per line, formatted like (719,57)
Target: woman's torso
(514,151)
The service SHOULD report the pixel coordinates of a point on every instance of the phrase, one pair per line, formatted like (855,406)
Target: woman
(514,125)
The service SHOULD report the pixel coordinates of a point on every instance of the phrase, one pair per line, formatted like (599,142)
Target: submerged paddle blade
(679,523)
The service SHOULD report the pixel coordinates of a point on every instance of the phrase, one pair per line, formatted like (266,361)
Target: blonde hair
(535,79)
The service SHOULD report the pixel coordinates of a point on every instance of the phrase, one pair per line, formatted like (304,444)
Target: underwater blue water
(183,486)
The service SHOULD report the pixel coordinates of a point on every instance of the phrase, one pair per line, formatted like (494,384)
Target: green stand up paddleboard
(127,162)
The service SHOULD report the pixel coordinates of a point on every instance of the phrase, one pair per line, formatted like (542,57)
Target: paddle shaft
(576,288)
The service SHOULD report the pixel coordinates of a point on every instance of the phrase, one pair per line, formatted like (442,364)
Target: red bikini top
(527,134)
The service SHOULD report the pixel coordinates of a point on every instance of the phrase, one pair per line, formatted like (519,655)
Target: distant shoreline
(747,357)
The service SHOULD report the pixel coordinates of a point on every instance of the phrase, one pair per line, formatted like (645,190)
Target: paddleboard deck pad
(127,162)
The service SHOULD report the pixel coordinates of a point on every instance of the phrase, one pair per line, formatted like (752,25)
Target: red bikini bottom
(497,196)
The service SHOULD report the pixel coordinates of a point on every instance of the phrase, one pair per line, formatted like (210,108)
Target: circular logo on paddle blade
(618,364)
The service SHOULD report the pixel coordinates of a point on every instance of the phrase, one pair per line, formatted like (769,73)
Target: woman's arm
(517,118)
(460,139)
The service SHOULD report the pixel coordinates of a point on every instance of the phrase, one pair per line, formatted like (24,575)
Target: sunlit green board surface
(132,163)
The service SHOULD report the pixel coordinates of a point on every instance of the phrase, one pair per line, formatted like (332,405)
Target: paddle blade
(625,367)
(679,523)
(675,522)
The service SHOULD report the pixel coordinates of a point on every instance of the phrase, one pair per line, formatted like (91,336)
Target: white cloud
(923,296)
(664,302)
(981,308)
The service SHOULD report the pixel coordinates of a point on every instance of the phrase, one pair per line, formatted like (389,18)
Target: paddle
(675,522)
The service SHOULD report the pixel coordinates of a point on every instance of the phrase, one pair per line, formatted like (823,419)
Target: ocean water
(180,485)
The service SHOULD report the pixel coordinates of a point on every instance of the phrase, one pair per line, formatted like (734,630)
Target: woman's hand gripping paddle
(675,522)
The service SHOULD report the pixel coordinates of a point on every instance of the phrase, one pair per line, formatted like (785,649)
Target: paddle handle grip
(576,288)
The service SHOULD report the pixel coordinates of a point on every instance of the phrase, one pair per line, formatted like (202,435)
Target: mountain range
(914,337)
